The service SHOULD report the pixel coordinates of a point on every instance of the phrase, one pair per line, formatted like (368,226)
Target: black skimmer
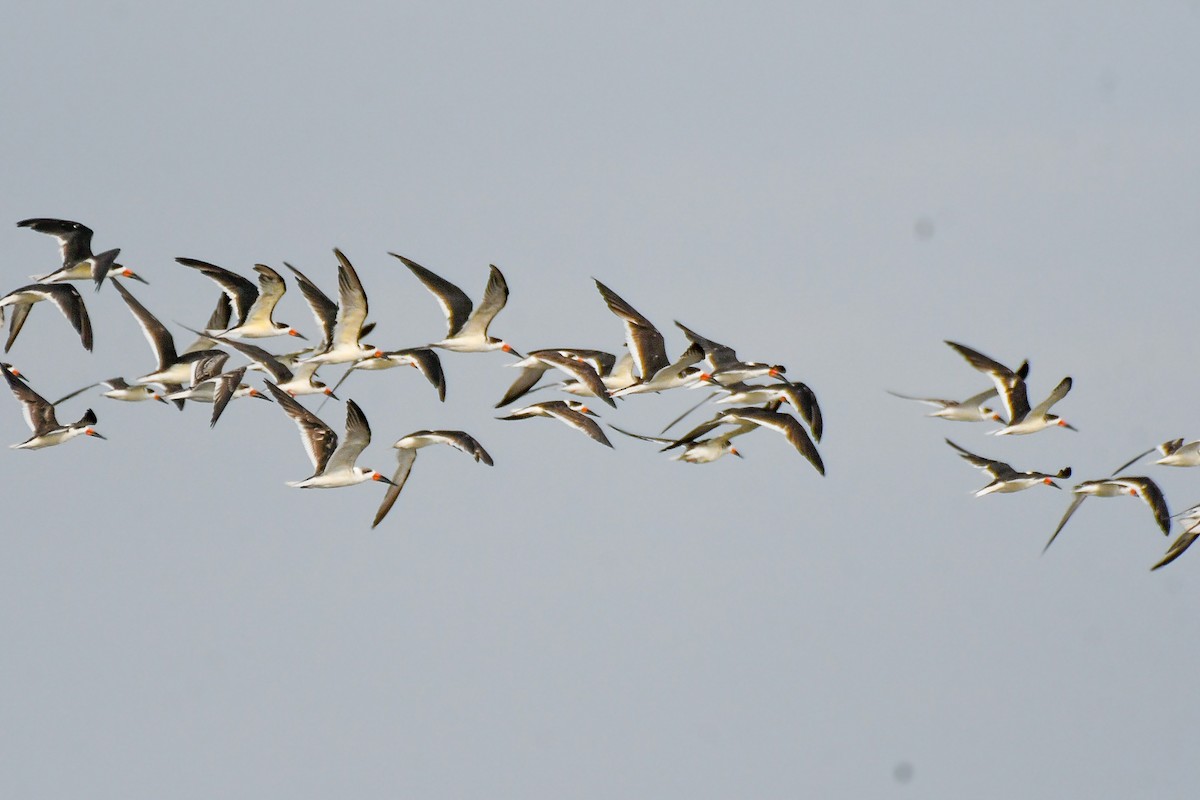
(39,415)
(700,451)
(211,384)
(171,370)
(677,374)
(1175,453)
(969,410)
(769,417)
(583,366)
(656,373)
(467,330)
(424,359)
(333,464)
(75,250)
(343,325)
(724,365)
(323,309)
(572,412)
(252,304)
(619,377)
(64,296)
(1189,520)
(118,389)
(1011,387)
(295,382)
(228,386)
(1131,485)
(533,368)
(645,342)
(798,395)
(407,456)
(1006,479)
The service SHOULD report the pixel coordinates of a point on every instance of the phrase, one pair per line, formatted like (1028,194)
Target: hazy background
(834,188)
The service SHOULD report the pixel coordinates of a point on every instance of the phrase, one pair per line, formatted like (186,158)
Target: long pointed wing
(75,393)
(719,356)
(1009,385)
(1179,546)
(579,421)
(358,436)
(270,288)
(39,414)
(70,303)
(494,298)
(456,306)
(74,239)
(461,440)
(680,418)
(526,380)
(430,365)
(646,344)
(695,433)
(655,439)
(598,360)
(352,303)
(804,400)
(20,312)
(1133,461)
(933,401)
(582,371)
(989,465)
(406,458)
(160,339)
(1059,393)
(337,386)
(1079,498)
(323,309)
(242,293)
(319,439)
(1152,495)
(789,426)
(279,372)
(227,384)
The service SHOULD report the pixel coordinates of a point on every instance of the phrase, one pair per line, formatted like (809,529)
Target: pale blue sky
(577,621)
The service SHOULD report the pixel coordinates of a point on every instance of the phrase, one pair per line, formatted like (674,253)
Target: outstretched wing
(358,436)
(1079,498)
(242,292)
(324,310)
(319,440)
(407,458)
(74,238)
(494,298)
(38,412)
(456,306)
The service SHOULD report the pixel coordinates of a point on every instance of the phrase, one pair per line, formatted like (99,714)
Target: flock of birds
(1010,388)
(245,311)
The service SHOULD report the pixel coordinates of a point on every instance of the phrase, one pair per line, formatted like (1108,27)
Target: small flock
(1010,388)
(245,310)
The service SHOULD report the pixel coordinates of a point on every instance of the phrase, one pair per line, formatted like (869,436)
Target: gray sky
(577,621)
